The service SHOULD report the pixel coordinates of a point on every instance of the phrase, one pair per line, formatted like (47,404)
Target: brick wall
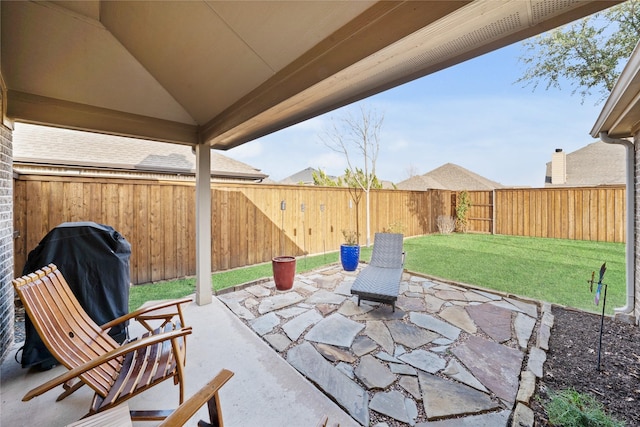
(6,239)
(636,221)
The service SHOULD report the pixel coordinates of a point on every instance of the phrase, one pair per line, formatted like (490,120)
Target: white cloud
(248,151)
(331,162)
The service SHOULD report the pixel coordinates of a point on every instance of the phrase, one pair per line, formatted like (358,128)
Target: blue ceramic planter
(349,257)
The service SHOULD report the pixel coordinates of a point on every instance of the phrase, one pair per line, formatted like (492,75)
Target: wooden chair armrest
(142,311)
(120,351)
(187,410)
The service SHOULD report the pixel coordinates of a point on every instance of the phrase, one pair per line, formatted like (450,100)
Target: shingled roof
(41,148)
(598,163)
(449,177)
(304,177)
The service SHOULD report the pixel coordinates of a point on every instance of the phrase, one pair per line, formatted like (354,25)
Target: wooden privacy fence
(249,226)
(584,213)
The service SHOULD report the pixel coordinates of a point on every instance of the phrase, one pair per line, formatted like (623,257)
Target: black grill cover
(94,259)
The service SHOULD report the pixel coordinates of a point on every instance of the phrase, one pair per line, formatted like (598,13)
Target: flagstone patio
(450,355)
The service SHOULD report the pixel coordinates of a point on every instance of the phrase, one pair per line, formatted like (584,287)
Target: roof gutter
(629,238)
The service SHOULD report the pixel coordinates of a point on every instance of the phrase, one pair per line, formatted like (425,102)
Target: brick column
(636,241)
(6,229)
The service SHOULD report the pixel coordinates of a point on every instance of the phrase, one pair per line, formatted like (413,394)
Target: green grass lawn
(553,270)
(223,279)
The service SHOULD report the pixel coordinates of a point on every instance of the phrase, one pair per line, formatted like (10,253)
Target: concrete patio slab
(265,389)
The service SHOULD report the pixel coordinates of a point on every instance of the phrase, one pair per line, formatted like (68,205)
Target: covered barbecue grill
(94,259)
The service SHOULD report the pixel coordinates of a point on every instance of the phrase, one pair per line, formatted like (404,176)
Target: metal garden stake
(603,268)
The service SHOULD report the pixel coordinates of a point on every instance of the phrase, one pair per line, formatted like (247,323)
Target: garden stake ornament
(596,300)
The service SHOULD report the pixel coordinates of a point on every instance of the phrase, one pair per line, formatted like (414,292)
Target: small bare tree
(411,171)
(357,137)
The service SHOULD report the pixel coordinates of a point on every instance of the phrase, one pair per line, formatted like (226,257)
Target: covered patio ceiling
(226,72)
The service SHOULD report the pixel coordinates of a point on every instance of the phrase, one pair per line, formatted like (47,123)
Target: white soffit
(461,35)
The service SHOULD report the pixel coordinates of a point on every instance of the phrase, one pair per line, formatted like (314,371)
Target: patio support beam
(203,224)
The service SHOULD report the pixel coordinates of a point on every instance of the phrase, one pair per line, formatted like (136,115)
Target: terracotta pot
(349,257)
(284,272)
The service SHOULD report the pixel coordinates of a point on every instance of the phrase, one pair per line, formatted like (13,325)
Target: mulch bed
(572,363)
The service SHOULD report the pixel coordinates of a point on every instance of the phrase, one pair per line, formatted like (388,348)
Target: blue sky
(472,114)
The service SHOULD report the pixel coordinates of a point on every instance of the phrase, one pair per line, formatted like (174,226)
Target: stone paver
(411,385)
(434,304)
(415,303)
(336,330)
(499,370)
(296,326)
(345,391)
(536,360)
(429,322)
(527,308)
(325,297)
(522,416)
(402,369)
(495,419)
(333,354)
(459,317)
(278,341)
(448,356)
(378,331)
(495,321)
(424,360)
(451,295)
(395,405)
(523,326)
(264,324)
(279,301)
(350,308)
(527,387)
(409,335)
(374,374)
(258,291)
(447,398)
(363,345)
(458,372)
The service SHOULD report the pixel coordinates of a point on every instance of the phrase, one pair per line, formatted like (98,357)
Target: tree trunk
(368,221)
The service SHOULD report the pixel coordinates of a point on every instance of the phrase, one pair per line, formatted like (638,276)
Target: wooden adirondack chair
(115,372)
(119,416)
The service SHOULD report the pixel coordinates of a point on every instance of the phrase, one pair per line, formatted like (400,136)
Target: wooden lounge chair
(115,372)
(120,417)
(380,280)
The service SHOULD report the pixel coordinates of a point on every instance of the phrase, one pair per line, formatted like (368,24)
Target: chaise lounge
(379,281)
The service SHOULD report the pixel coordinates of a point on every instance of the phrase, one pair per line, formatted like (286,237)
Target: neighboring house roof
(387,185)
(598,163)
(449,177)
(420,183)
(304,176)
(55,149)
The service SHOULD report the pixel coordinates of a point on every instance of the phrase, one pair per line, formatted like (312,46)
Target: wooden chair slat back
(71,336)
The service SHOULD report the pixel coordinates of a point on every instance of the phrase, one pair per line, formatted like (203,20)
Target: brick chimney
(559,167)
